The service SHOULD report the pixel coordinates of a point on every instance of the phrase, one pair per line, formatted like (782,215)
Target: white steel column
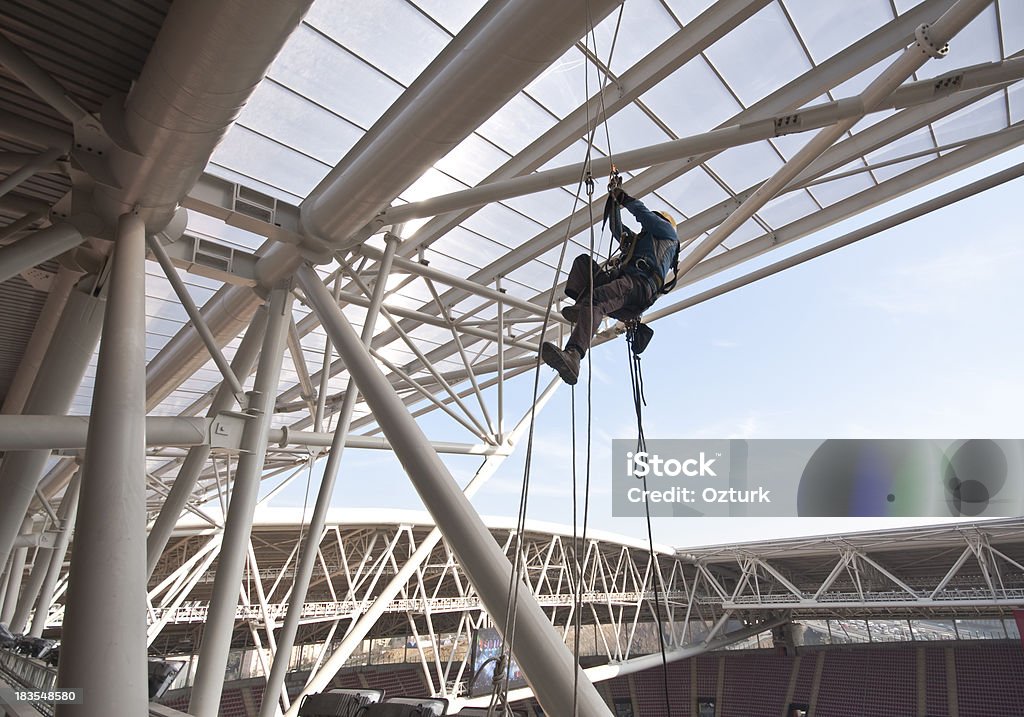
(57,558)
(304,569)
(58,379)
(103,646)
(41,563)
(188,474)
(213,654)
(15,571)
(930,39)
(546,662)
(319,679)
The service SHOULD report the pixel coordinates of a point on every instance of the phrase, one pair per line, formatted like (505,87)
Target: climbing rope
(500,689)
(636,379)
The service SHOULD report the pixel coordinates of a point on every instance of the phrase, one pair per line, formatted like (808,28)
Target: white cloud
(951,283)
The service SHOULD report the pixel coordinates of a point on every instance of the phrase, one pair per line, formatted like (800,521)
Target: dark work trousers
(624,297)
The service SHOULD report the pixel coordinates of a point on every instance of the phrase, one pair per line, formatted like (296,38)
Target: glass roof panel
(694,191)
(692,99)
(976,43)
(253,155)
(516,124)
(629,129)
(472,160)
(743,166)
(503,225)
(890,171)
(549,207)
(1015,93)
(1011,15)
(856,84)
(284,116)
(560,86)
(687,10)
(753,75)
(645,25)
(453,14)
(575,153)
(473,249)
(790,144)
(431,184)
(828,27)
(360,27)
(310,64)
(914,142)
(836,190)
(787,208)
(984,116)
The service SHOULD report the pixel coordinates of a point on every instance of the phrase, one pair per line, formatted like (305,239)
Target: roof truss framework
(466,298)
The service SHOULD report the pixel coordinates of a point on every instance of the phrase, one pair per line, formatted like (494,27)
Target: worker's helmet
(666,216)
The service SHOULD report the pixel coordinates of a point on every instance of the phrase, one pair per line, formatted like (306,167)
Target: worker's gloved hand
(620,196)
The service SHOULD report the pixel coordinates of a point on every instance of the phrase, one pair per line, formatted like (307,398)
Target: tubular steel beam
(38,247)
(803,120)
(38,80)
(185,482)
(307,556)
(15,574)
(57,558)
(213,655)
(548,666)
(103,646)
(181,291)
(34,166)
(319,679)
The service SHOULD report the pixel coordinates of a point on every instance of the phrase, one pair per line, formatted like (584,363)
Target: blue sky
(912,333)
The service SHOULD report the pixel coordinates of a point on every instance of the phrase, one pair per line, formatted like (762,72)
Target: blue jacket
(655,246)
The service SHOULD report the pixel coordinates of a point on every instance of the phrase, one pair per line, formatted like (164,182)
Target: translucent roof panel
(788,208)
(360,28)
(452,14)
(754,75)
(692,99)
(286,117)
(983,117)
(560,87)
(473,160)
(694,191)
(645,25)
(628,129)
(1015,96)
(517,124)
(311,63)
(744,166)
(836,190)
(253,155)
(687,10)
(1011,16)
(827,28)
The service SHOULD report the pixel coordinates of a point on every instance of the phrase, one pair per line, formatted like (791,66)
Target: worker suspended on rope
(624,288)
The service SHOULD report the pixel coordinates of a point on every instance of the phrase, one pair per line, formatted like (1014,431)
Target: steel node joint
(926,45)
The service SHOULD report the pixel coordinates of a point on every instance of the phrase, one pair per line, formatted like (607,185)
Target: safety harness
(638,334)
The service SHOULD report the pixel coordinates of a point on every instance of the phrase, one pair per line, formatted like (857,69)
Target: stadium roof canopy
(420,159)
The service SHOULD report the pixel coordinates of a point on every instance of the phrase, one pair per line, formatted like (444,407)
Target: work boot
(571,313)
(566,363)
